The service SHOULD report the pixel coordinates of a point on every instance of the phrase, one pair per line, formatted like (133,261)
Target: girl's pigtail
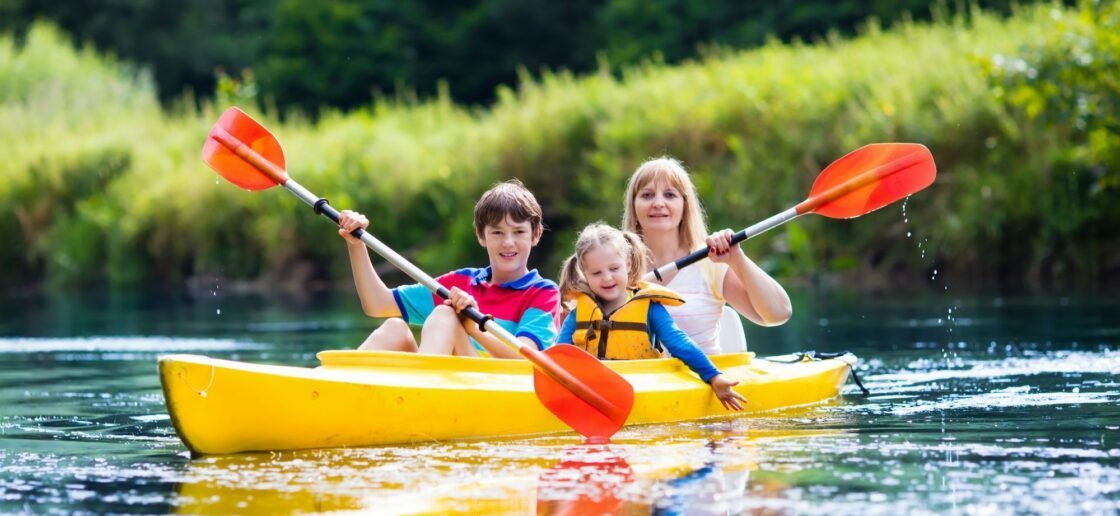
(639,258)
(571,283)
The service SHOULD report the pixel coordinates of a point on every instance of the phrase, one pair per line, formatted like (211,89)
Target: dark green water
(980,404)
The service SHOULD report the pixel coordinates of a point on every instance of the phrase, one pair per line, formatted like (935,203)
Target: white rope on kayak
(200,393)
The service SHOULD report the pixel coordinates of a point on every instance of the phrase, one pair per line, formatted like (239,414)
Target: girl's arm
(678,343)
(377,299)
(684,349)
(568,329)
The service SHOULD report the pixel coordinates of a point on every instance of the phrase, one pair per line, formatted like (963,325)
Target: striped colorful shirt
(526,307)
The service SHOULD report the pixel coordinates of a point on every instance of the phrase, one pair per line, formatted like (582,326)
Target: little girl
(617,316)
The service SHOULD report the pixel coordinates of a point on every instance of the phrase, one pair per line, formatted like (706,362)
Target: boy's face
(508,244)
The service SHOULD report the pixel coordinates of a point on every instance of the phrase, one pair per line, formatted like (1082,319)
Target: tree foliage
(342,53)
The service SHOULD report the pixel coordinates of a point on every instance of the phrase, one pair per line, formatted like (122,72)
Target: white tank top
(701,286)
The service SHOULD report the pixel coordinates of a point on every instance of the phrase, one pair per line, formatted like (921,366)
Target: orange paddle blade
(244,152)
(578,414)
(869,178)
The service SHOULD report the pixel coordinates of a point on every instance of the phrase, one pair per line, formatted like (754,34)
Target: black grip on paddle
(471,312)
(700,254)
(323,207)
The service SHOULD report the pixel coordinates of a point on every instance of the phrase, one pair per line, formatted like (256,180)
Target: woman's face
(658,207)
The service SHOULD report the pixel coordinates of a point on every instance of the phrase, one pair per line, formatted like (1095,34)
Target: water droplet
(907,234)
(219,311)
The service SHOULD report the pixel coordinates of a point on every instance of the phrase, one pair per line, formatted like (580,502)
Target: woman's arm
(748,288)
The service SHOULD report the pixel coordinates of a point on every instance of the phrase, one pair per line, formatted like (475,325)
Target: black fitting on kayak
(318,206)
(855,378)
(813,355)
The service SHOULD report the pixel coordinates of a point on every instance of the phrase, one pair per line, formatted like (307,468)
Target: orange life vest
(624,334)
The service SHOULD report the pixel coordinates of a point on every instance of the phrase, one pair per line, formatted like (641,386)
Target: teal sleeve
(568,331)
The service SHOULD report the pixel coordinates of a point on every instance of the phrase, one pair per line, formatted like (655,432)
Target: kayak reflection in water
(587,480)
(712,488)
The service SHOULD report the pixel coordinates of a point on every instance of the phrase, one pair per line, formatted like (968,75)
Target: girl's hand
(459,300)
(719,246)
(348,221)
(731,400)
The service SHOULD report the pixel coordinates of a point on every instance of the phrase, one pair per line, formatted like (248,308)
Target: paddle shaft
(486,322)
(807,206)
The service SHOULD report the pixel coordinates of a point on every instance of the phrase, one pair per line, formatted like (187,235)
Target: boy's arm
(678,343)
(377,299)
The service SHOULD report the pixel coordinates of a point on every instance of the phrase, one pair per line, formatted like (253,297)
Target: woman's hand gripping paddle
(575,386)
(862,181)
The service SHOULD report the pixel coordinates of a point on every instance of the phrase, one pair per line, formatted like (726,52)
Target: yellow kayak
(370,398)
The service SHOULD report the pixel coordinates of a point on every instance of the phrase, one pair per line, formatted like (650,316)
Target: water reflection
(702,469)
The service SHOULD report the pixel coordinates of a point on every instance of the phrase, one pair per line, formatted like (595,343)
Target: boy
(507,222)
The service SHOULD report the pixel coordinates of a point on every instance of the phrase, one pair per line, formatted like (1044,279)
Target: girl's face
(606,271)
(659,207)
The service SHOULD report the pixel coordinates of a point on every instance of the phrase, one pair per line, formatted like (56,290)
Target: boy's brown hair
(508,198)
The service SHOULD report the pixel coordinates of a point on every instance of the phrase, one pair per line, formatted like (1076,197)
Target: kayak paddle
(574,385)
(861,182)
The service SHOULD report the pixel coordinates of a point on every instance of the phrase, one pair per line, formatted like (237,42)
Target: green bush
(1026,186)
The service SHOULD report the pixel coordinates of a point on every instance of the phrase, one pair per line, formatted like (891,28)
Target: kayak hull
(370,398)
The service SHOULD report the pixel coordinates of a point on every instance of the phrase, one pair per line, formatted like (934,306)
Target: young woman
(662,207)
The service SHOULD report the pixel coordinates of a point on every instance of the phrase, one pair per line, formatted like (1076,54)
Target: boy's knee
(443,314)
(395,324)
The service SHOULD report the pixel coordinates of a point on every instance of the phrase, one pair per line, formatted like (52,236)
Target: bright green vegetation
(99,183)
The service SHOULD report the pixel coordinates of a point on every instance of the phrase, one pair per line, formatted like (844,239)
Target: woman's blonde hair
(693,228)
(628,245)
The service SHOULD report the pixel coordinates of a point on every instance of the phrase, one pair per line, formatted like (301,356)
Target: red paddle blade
(578,414)
(244,152)
(869,178)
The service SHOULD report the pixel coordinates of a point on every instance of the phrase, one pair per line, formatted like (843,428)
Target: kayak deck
(368,398)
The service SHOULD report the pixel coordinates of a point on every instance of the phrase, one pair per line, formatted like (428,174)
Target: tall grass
(99,183)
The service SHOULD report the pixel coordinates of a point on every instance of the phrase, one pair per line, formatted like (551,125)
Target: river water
(979,404)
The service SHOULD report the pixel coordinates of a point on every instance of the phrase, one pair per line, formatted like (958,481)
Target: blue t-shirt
(662,328)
